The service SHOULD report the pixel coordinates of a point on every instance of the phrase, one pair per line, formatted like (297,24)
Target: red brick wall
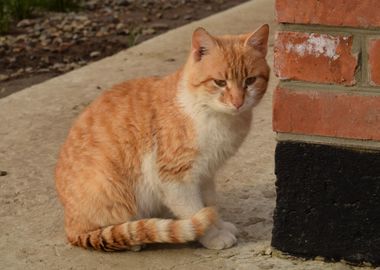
(327,56)
(354,13)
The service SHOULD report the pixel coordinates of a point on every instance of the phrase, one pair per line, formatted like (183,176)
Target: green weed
(11,10)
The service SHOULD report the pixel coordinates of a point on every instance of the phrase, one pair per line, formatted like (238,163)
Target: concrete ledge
(365,145)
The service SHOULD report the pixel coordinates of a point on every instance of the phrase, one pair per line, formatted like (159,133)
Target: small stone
(67,28)
(188,17)
(21,38)
(102,32)
(148,31)
(66,59)
(159,26)
(25,23)
(57,66)
(167,6)
(29,69)
(3,173)
(91,5)
(268,251)
(17,49)
(120,26)
(145,19)
(159,15)
(65,68)
(45,59)
(111,19)
(94,54)
(67,35)
(175,17)
(73,66)
(121,29)
(3,77)
(107,10)
(81,17)
(20,71)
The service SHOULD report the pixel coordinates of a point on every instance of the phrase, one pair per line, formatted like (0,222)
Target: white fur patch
(148,191)
(218,134)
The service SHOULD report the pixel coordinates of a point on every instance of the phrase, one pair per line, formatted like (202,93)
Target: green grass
(58,5)
(21,9)
(4,17)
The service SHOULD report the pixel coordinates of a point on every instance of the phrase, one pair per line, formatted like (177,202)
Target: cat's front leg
(209,199)
(184,199)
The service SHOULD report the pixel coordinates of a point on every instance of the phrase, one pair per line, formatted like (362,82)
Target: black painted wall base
(328,202)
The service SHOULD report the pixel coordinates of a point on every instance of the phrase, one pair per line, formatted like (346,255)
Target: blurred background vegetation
(15,10)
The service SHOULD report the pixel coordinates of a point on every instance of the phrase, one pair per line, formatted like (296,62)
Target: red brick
(356,13)
(325,113)
(374,61)
(315,57)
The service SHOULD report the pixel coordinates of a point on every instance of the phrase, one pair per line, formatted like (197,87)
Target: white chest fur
(219,136)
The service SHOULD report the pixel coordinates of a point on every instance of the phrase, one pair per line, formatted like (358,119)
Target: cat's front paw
(228,226)
(218,239)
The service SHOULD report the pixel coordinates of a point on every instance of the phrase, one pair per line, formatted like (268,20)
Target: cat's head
(228,74)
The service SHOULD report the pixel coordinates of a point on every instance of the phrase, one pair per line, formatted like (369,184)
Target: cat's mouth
(232,110)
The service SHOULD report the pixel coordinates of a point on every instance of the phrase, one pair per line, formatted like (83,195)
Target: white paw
(228,226)
(218,239)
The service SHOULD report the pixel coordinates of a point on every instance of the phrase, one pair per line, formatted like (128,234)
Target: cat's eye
(220,83)
(250,81)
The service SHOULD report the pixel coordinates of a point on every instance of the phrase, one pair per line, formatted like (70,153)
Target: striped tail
(134,233)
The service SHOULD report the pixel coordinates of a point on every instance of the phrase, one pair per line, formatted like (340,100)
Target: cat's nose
(237,102)
(236,97)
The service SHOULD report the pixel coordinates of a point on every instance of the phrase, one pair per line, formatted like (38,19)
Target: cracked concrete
(35,121)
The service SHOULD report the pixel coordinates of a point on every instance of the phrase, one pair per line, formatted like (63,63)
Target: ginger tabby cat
(151,146)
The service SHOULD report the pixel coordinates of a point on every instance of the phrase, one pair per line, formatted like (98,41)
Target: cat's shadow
(162,246)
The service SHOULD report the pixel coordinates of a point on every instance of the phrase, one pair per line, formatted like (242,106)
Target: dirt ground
(35,122)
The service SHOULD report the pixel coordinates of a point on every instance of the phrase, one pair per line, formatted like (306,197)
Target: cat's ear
(202,42)
(258,40)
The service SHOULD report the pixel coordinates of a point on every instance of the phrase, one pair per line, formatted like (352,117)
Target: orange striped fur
(145,231)
(150,147)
